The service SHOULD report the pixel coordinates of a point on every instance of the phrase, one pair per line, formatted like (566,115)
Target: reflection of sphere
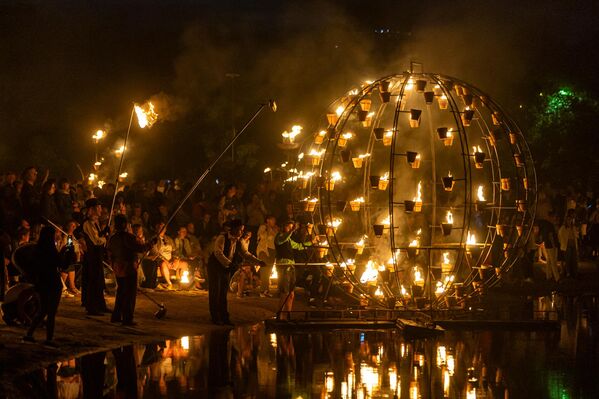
(432,174)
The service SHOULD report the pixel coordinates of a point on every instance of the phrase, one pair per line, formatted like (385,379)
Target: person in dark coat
(48,284)
(123,248)
(229,252)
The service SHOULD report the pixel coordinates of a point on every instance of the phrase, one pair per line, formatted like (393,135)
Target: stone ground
(78,334)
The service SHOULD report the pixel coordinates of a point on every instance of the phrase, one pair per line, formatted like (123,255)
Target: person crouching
(123,248)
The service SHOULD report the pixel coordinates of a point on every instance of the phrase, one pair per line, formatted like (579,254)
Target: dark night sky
(70,67)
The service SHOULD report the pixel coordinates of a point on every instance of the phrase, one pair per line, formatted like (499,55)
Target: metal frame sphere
(422,186)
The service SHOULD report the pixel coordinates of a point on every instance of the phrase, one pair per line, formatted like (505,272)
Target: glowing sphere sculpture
(422,188)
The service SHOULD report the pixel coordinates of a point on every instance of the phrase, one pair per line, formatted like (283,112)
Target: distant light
(541,94)
(521,106)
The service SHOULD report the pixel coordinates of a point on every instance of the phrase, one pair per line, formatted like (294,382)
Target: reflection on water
(249,362)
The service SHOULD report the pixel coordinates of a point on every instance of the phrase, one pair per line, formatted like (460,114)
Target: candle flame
(385,177)
(419,193)
(100,134)
(449,217)
(336,222)
(267,170)
(370,273)
(388,133)
(449,133)
(92,177)
(360,243)
(415,242)
(124,175)
(446,258)
(480,194)
(359,199)
(386,222)
(378,292)
(364,155)
(347,136)
(339,110)
(471,239)
(185,277)
(146,115)
(314,153)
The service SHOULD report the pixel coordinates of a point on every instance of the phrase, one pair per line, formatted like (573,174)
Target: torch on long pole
(118,173)
(272,105)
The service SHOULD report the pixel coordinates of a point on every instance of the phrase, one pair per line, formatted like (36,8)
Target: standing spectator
(49,210)
(266,251)
(70,270)
(229,206)
(568,241)
(229,253)
(30,196)
(93,285)
(550,242)
(47,283)
(124,248)
(594,230)
(64,201)
(10,206)
(255,217)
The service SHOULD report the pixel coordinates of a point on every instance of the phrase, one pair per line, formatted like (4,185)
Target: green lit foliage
(563,135)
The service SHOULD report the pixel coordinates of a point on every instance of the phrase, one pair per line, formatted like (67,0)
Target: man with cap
(123,248)
(229,252)
(92,287)
(285,263)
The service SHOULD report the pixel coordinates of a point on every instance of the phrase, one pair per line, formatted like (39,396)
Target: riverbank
(78,334)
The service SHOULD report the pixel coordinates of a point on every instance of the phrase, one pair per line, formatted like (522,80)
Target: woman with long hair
(47,283)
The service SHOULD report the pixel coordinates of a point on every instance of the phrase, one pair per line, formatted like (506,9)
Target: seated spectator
(162,253)
(181,253)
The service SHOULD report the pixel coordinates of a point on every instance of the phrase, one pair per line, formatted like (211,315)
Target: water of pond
(251,362)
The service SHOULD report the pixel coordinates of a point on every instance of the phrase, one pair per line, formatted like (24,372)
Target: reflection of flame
(329,381)
(370,273)
(146,115)
(450,364)
(449,217)
(480,194)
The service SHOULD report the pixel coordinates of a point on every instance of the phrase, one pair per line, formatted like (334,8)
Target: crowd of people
(135,246)
(214,235)
(566,230)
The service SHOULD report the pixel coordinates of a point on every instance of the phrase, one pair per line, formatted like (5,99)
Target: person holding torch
(230,251)
(285,264)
